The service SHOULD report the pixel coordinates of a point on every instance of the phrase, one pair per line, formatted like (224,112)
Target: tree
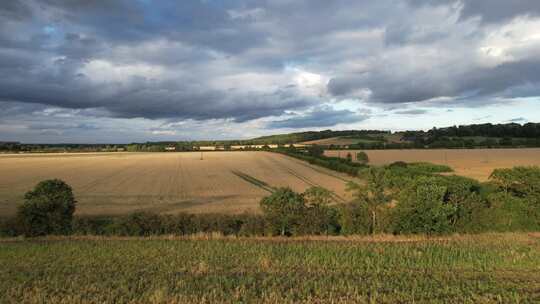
(422,209)
(320,217)
(318,196)
(371,193)
(362,157)
(283,210)
(48,209)
(520,181)
(355,218)
(316,151)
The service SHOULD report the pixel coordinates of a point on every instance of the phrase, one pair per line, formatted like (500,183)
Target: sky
(119,71)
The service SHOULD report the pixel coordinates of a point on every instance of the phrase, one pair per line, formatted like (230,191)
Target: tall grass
(493,268)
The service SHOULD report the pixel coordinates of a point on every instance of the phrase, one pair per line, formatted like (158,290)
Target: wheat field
(474,163)
(117,183)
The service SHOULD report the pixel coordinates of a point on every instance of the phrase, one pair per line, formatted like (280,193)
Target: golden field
(474,163)
(116,183)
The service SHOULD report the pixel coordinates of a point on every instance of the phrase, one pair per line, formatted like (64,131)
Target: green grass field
(489,268)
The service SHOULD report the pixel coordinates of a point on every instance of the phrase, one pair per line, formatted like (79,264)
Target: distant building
(238,147)
(170,148)
(207,148)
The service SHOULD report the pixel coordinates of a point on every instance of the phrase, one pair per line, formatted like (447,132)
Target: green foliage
(355,218)
(283,211)
(362,157)
(318,196)
(399,198)
(429,167)
(422,209)
(332,163)
(520,181)
(319,217)
(371,193)
(48,209)
(139,224)
(315,151)
(514,205)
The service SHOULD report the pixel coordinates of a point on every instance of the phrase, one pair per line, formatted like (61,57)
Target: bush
(48,209)
(362,157)
(10,227)
(283,211)
(252,225)
(429,167)
(140,223)
(93,225)
(422,209)
(355,218)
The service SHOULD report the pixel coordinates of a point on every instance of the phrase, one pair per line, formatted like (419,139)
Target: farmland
(118,183)
(474,163)
(489,268)
(357,139)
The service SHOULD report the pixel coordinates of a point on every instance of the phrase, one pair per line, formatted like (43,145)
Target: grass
(489,268)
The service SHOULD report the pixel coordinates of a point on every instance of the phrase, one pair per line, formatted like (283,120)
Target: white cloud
(103,71)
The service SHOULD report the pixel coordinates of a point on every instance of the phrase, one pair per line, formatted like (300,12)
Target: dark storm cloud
(491,11)
(323,117)
(480,82)
(242,60)
(494,11)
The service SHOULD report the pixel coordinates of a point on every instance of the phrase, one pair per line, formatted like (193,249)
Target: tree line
(399,198)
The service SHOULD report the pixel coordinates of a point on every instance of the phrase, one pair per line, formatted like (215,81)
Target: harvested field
(117,183)
(474,163)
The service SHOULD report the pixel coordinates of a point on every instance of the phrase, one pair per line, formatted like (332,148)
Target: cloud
(243,62)
(320,117)
(490,11)
(518,119)
(412,112)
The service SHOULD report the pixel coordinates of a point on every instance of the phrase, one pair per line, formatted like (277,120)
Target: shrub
(371,193)
(422,209)
(252,225)
(429,167)
(362,157)
(140,223)
(355,218)
(48,209)
(93,225)
(179,224)
(520,181)
(10,227)
(509,213)
(283,211)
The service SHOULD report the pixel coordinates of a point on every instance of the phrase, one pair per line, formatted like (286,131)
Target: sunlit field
(118,183)
(474,163)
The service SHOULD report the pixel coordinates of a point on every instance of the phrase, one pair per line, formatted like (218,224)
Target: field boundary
(377,238)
